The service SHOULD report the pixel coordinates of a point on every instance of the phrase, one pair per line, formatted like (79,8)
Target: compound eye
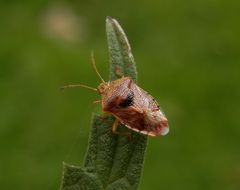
(128,101)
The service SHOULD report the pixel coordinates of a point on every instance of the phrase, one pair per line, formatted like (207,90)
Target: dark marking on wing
(128,101)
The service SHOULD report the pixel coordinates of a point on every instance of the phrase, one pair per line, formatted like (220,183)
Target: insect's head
(103,87)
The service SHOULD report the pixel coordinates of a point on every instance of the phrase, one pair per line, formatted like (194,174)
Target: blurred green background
(188,57)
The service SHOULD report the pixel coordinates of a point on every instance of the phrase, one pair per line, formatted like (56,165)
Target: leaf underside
(112,162)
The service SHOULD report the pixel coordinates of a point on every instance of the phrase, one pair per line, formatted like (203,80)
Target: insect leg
(97,101)
(114,127)
(114,130)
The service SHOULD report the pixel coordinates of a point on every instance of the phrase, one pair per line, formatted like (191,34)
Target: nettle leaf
(112,162)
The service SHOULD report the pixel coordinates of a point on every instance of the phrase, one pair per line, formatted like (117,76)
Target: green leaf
(121,59)
(112,162)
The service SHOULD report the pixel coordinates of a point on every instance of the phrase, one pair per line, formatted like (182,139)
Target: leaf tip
(109,19)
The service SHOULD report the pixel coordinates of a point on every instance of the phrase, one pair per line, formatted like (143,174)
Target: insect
(130,105)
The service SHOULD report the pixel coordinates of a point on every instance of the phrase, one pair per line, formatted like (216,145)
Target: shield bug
(130,105)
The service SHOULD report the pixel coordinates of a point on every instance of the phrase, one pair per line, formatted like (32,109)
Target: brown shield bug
(130,105)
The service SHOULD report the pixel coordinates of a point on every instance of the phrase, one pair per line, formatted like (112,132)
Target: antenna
(95,68)
(77,85)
